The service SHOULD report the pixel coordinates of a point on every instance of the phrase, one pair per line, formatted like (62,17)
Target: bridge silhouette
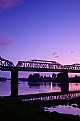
(36,66)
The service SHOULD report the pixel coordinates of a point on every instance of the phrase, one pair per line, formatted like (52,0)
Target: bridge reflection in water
(45,96)
(64,94)
(50,96)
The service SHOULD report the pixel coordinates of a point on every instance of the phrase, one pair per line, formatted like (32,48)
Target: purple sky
(40,29)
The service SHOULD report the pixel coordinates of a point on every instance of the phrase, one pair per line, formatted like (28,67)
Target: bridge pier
(64,82)
(14,83)
(64,87)
(64,76)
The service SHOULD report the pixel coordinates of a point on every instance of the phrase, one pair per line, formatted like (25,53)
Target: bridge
(37,66)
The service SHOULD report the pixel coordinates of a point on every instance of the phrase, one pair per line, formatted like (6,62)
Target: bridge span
(35,66)
(38,66)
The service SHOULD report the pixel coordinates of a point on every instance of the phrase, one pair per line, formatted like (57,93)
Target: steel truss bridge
(38,65)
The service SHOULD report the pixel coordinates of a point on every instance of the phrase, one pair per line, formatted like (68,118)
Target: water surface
(64,109)
(25,87)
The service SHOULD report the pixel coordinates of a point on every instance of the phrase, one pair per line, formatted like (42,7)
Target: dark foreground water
(64,109)
(25,87)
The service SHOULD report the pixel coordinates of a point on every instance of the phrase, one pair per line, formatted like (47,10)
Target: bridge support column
(64,76)
(64,82)
(64,87)
(14,83)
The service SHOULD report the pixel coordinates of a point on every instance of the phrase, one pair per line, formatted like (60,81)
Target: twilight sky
(40,29)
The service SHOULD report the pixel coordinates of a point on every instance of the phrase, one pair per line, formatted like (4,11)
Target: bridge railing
(47,65)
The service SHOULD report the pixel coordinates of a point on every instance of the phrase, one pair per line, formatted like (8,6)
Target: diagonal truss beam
(4,62)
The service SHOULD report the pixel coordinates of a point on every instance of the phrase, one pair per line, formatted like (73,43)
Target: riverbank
(34,111)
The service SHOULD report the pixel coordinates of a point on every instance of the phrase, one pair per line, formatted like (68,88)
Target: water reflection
(25,87)
(38,87)
(64,109)
(74,86)
(5,88)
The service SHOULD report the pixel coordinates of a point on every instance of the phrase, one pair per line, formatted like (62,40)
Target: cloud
(55,55)
(5,41)
(5,4)
(71,52)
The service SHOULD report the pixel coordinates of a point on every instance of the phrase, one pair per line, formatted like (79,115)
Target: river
(25,87)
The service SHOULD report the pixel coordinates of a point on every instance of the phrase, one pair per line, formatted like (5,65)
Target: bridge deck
(5,68)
